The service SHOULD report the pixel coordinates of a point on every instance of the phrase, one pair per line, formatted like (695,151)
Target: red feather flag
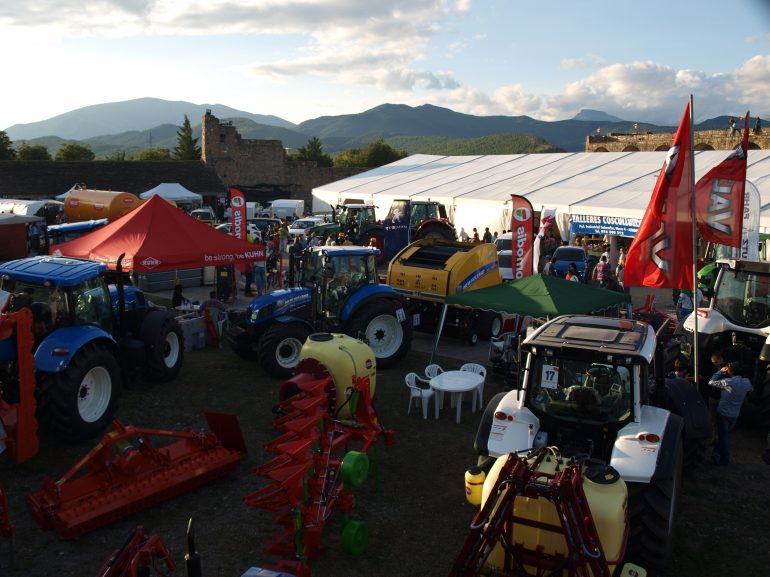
(661,254)
(719,197)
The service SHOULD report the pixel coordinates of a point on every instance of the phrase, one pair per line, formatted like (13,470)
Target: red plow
(313,473)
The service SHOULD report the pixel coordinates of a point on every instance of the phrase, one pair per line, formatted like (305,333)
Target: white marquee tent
(172,191)
(477,189)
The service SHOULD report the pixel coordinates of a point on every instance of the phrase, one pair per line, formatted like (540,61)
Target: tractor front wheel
(652,510)
(165,351)
(80,402)
(279,348)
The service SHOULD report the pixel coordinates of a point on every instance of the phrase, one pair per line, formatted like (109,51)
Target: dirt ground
(413,502)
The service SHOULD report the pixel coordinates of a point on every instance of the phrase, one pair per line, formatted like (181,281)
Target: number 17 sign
(550,377)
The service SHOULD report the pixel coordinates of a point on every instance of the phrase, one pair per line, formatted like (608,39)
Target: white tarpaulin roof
(172,191)
(24,207)
(477,189)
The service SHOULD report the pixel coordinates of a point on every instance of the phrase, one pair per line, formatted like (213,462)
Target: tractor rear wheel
(490,324)
(165,352)
(279,348)
(436,231)
(377,323)
(652,510)
(79,402)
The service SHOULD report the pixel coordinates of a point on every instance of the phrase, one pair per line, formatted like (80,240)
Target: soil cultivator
(125,473)
(313,473)
(137,555)
(18,424)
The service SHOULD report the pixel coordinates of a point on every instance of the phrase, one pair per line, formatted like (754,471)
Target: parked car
(504,244)
(301,226)
(263,223)
(204,214)
(565,255)
(251,229)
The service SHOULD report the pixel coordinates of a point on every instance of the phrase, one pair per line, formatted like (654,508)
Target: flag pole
(695,300)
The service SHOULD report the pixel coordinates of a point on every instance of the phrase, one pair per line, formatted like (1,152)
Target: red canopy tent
(158,236)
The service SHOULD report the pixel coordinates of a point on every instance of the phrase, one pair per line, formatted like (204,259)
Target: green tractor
(357,222)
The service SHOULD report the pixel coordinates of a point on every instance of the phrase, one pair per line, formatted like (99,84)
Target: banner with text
(522,229)
(609,225)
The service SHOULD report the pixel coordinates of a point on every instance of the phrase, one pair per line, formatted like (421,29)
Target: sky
(301,59)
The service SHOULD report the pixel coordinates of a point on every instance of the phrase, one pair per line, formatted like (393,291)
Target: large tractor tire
(165,351)
(435,231)
(279,348)
(244,347)
(490,324)
(377,324)
(80,402)
(652,511)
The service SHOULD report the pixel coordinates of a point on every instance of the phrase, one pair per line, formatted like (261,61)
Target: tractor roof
(602,334)
(757,267)
(345,250)
(60,271)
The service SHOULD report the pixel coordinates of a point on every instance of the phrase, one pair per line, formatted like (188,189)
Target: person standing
(731,123)
(758,126)
(548,268)
(621,265)
(684,304)
(572,273)
(260,267)
(734,390)
(463,235)
(487,235)
(476,238)
(283,236)
(600,271)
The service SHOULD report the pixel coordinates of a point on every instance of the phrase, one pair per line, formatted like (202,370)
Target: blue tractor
(338,291)
(90,338)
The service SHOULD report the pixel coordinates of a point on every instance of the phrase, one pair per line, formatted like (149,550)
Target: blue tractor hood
(277,303)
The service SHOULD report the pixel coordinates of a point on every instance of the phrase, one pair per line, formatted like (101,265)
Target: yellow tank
(90,204)
(344,357)
(607,501)
(431,269)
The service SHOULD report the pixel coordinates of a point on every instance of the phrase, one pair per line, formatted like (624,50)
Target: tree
(117,155)
(313,151)
(154,154)
(186,146)
(75,151)
(33,152)
(7,151)
(374,154)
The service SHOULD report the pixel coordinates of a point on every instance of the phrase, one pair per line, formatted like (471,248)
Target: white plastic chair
(482,370)
(418,392)
(433,370)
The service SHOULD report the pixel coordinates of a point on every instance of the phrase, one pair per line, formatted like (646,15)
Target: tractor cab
(335,273)
(54,306)
(355,219)
(743,294)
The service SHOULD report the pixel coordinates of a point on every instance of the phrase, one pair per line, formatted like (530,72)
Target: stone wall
(648,141)
(261,167)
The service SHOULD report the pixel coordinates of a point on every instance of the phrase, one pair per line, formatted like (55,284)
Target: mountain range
(136,124)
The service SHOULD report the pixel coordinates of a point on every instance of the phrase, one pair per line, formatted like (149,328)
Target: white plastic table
(457,383)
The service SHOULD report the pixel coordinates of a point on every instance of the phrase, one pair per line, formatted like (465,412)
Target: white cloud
(653,92)
(588,61)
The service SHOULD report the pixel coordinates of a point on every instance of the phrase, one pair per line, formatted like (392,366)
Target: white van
(287,208)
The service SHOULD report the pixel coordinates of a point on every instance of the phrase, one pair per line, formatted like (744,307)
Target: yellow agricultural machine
(546,515)
(430,269)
